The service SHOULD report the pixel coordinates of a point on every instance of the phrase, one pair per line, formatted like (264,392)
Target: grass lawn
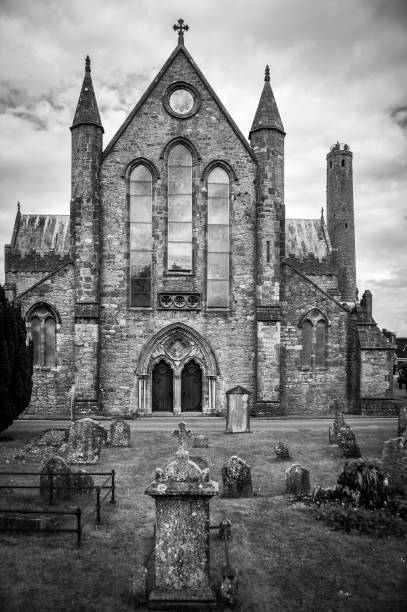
(286,560)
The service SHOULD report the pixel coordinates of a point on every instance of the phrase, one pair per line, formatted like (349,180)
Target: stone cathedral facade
(177,276)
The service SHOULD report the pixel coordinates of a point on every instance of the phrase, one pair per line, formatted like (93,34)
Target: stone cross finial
(181,29)
(87,64)
(183,434)
(267,74)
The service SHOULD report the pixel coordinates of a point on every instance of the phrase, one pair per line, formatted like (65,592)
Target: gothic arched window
(314,339)
(42,326)
(218,239)
(140,236)
(179,253)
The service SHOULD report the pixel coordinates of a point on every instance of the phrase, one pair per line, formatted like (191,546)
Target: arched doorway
(162,387)
(191,387)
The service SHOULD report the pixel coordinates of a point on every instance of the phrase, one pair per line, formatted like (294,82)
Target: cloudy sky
(338,71)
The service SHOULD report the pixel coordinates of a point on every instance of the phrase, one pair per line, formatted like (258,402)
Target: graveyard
(284,556)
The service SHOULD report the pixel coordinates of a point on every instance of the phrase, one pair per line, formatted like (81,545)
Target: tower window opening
(346,226)
(268,251)
(343,162)
(330,164)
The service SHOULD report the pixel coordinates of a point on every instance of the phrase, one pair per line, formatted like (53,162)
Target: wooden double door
(164,391)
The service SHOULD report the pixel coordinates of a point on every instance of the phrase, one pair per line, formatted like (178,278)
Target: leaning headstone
(237,415)
(85,441)
(394,461)
(55,480)
(297,480)
(402,424)
(200,441)
(119,433)
(180,491)
(237,478)
(82,483)
(281,451)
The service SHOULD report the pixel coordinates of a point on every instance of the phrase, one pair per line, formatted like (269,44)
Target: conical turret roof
(87,109)
(267,115)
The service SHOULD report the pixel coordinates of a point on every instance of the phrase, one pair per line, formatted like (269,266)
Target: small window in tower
(330,164)
(343,162)
(346,226)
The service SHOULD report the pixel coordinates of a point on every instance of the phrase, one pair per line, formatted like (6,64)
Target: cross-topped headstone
(183,434)
(181,29)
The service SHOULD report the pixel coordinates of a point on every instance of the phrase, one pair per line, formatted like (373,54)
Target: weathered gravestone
(297,480)
(200,441)
(119,434)
(281,451)
(402,423)
(81,483)
(237,478)
(237,415)
(182,492)
(55,480)
(394,461)
(85,441)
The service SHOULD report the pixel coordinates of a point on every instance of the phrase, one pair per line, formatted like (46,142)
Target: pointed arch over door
(194,369)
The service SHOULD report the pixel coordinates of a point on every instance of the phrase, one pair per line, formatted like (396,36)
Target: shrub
(16,363)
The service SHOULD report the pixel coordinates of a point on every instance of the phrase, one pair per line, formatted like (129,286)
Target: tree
(16,362)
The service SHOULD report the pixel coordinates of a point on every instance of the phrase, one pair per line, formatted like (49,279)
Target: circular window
(181,100)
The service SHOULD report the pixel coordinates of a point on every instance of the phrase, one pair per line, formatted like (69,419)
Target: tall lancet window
(179,255)
(218,239)
(140,236)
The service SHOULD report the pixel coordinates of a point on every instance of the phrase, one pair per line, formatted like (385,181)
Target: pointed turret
(267,115)
(87,111)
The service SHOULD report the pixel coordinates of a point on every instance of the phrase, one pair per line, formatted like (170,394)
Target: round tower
(340,217)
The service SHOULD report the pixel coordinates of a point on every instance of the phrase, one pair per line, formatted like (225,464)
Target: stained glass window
(179,209)
(218,239)
(140,236)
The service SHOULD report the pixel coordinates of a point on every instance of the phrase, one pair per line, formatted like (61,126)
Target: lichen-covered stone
(85,441)
(60,481)
(120,434)
(200,441)
(394,460)
(346,441)
(237,478)
(402,423)
(297,480)
(229,585)
(137,589)
(281,451)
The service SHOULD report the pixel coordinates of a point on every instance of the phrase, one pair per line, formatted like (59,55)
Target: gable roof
(42,234)
(307,237)
(370,337)
(180,48)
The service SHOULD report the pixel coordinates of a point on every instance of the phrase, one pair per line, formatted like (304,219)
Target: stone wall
(305,390)
(376,373)
(125,330)
(50,396)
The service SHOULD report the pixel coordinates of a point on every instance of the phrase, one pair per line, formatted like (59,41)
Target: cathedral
(177,277)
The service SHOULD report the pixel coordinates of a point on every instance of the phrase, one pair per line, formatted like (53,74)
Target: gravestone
(237,415)
(297,480)
(236,478)
(182,491)
(81,483)
(85,441)
(281,451)
(55,475)
(119,434)
(200,441)
(394,461)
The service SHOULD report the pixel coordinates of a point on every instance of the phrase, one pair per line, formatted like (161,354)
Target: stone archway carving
(177,344)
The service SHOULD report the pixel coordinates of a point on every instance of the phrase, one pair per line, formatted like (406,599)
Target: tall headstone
(402,423)
(394,461)
(55,480)
(182,491)
(237,415)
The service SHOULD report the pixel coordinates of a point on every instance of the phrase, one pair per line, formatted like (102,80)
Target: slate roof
(370,337)
(87,109)
(42,234)
(267,115)
(307,237)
